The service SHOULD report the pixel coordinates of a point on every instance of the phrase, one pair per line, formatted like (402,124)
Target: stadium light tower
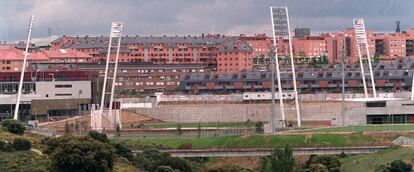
(361,39)
(96,116)
(278,30)
(292,63)
(116,31)
(26,53)
(281,29)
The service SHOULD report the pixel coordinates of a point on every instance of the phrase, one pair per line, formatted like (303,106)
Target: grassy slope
(23,161)
(367,163)
(265,141)
(31,161)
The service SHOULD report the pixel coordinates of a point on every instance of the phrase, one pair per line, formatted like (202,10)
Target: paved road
(268,151)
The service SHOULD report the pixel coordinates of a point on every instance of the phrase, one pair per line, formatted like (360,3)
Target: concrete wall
(234,112)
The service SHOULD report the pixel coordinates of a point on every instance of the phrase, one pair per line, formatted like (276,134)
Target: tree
(398,166)
(376,58)
(117,130)
(82,154)
(98,136)
(13,126)
(22,144)
(259,127)
(164,169)
(151,159)
(331,162)
(199,130)
(67,129)
(281,160)
(179,130)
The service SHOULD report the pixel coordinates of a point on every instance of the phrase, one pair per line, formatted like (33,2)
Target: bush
(230,168)
(331,162)
(151,159)
(318,168)
(22,144)
(98,136)
(185,146)
(5,147)
(2,145)
(398,166)
(79,154)
(122,151)
(164,169)
(13,126)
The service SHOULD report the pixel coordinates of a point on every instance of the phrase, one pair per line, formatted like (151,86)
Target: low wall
(241,112)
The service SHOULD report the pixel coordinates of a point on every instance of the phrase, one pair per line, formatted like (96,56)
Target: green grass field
(262,141)
(369,162)
(195,125)
(364,128)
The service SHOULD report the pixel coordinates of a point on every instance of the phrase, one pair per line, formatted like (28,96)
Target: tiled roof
(66,53)
(169,42)
(11,53)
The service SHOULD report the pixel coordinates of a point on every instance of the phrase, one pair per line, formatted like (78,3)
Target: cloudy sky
(182,17)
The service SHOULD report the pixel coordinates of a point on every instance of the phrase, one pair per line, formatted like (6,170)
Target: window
(68,94)
(63,86)
(377,104)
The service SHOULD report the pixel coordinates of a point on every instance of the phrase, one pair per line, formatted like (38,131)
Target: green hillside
(369,162)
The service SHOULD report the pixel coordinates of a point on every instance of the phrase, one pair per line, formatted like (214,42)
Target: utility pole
(26,52)
(344,53)
(273,115)
(412,86)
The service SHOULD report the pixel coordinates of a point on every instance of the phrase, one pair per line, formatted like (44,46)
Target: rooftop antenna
(26,52)
(344,53)
(49,32)
(398,29)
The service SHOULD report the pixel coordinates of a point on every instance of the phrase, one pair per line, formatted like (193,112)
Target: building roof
(11,53)
(165,41)
(66,53)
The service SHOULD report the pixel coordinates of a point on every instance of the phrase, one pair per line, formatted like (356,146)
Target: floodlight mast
(26,52)
(292,61)
(116,30)
(361,39)
(364,82)
(279,83)
(115,72)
